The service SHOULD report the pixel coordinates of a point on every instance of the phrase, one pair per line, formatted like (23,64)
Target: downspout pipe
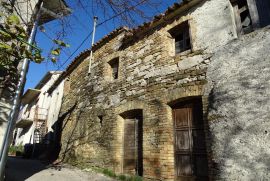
(16,103)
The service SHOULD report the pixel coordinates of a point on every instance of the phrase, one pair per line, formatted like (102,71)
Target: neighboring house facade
(183,97)
(39,113)
(25,10)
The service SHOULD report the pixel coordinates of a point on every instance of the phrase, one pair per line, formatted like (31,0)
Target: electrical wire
(99,24)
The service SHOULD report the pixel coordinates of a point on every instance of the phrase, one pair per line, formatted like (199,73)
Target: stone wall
(151,78)
(238,115)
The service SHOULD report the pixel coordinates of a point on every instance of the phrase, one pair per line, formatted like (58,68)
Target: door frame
(127,115)
(177,104)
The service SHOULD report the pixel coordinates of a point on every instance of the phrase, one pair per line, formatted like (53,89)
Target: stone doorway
(133,142)
(189,141)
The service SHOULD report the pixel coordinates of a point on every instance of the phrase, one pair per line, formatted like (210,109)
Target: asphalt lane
(19,169)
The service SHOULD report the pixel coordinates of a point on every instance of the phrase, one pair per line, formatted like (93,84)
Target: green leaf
(28,54)
(56,52)
(5,34)
(13,19)
(53,59)
(13,45)
(5,46)
(38,59)
(61,43)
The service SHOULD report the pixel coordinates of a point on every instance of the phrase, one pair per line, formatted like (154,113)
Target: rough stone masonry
(226,72)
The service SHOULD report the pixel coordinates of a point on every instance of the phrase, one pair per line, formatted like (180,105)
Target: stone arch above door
(130,105)
(183,93)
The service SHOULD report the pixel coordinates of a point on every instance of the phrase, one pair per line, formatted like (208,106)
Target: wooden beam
(253,13)
(237,19)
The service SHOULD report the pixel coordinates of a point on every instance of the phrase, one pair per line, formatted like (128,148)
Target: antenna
(93,40)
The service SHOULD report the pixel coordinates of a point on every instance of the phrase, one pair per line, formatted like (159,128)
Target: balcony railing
(40,114)
(27,117)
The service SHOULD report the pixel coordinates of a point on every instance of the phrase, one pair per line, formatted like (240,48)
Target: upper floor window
(114,68)
(181,36)
(250,14)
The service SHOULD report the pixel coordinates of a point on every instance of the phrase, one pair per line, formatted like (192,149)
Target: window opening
(114,64)
(263,7)
(100,118)
(246,15)
(182,37)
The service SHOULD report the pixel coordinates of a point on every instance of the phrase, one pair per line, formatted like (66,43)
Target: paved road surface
(19,169)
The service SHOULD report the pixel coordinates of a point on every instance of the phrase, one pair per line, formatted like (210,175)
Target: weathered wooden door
(190,147)
(133,146)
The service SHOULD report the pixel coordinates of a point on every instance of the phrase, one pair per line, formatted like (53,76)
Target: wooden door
(190,148)
(133,147)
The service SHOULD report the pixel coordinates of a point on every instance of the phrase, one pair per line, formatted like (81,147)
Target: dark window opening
(263,7)
(182,37)
(114,64)
(100,118)
(251,14)
(243,11)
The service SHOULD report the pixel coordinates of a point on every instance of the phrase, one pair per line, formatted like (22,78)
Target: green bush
(109,173)
(15,149)
(129,178)
(122,177)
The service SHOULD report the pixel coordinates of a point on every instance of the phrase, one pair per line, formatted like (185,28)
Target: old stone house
(183,97)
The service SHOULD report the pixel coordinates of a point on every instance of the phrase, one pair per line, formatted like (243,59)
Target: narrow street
(19,169)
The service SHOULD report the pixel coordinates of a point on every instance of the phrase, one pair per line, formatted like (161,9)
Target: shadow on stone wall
(239,108)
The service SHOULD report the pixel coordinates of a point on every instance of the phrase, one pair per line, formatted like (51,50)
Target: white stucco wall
(239,90)
(49,104)
(25,10)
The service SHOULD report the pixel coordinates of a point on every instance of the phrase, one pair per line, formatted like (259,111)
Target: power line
(88,36)
(99,24)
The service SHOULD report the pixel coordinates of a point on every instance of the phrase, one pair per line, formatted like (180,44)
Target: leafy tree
(13,46)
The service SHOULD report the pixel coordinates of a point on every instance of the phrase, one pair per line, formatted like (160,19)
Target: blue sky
(79,25)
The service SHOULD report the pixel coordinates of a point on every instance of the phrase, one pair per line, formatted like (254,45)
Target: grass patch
(129,178)
(14,150)
(109,173)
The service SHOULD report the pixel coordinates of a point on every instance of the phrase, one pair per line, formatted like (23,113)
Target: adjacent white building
(25,9)
(39,112)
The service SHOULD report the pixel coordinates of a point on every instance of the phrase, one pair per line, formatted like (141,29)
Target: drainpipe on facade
(16,102)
